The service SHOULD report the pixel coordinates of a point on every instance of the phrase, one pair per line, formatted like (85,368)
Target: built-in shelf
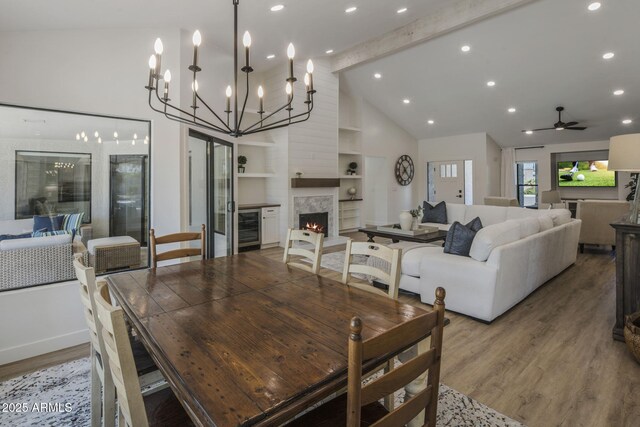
(256,143)
(349,129)
(350,176)
(351,153)
(256,175)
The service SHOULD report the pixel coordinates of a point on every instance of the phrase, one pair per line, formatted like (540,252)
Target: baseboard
(36,348)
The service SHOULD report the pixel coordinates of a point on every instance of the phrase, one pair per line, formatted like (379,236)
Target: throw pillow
(475,224)
(436,214)
(14,236)
(459,240)
(49,223)
(72,222)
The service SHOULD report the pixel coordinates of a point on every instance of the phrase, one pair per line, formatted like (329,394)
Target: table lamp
(624,156)
(550,197)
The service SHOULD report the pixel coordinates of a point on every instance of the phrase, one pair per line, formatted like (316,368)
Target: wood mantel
(315,182)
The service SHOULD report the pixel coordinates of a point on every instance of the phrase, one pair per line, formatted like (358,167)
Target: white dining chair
(390,256)
(314,256)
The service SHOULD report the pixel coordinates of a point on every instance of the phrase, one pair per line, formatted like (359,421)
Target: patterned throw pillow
(72,222)
(44,233)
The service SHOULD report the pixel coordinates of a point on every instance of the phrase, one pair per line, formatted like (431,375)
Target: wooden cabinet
(270,226)
(627,274)
(349,215)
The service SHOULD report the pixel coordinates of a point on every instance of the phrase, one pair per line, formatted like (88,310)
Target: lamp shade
(550,197)
(624,153)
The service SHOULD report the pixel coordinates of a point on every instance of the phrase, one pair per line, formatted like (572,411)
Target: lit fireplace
(315,227)
(317,222)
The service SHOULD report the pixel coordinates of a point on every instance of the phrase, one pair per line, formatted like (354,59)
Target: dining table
(247,340)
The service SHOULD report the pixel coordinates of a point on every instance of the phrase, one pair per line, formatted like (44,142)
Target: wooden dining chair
(176,238)
(360,406)
(380,252)
(315,256)
(161,408)
(103,402)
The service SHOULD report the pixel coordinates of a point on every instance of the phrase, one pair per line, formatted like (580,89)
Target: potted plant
(242,160)
(416,214)
(352,168)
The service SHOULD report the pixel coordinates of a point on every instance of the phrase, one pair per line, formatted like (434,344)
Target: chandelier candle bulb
(289,89)
(261,96)
(291,53)
(159,48)
(167,80)
(310,69)
(194,88)
(246,41)
(152,71)
(197,39)
(229,92)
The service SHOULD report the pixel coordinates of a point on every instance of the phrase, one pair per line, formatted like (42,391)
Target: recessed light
(594,6)
(403,10)
(529,132)
(618,92)
(608,55)
(277,8)
(627,121)
(271,56)
(430,122)
(377,75)
(406,101)
(351,9)
(511,110)
(466,48)
(491,83)
(328,52)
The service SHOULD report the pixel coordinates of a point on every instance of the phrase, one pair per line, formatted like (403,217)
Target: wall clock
(404,170)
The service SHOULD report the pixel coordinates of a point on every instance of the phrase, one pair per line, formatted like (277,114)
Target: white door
(375,191)
(447,182)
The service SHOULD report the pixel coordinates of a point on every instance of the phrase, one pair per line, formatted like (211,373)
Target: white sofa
(517,251)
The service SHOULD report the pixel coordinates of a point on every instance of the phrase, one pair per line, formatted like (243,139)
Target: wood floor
(550,361)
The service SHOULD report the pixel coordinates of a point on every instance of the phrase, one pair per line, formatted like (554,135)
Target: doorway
(446,182)
(128,203)
(375,191)
(210,198)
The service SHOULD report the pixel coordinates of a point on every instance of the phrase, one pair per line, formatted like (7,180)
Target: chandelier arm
(244,105)
(213,112)
(280,124)
(270,115)
(195,118)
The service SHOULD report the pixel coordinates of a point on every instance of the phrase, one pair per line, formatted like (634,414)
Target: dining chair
(361,406)
(315,256)
(161,408)
(387,255)
(103,403)
(176,238)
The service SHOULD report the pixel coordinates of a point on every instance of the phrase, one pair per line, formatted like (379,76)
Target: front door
(446,181)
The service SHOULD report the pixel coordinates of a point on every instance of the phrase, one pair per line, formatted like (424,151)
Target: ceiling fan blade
(576,128)
(570,124)
(536,130)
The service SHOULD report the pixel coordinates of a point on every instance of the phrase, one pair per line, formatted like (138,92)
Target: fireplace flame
(315,227)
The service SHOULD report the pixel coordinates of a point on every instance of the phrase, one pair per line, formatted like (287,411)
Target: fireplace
(318,221)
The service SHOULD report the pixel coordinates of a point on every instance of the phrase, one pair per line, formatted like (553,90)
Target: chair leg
(109,401)
(96,395)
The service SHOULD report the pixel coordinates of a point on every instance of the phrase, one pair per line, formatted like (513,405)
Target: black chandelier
(267,121)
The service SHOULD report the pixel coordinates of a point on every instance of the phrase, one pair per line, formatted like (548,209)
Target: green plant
(353,166)
(416,213)
(242,160)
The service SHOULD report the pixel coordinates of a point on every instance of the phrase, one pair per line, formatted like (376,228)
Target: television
(585,173)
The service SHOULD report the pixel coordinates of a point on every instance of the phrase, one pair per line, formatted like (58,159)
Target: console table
(627,274)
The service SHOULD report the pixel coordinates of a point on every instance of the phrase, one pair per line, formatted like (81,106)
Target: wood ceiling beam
(455,15)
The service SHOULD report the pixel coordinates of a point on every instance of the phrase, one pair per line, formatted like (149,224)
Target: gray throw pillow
(475,224)
(459,240)
(436,214)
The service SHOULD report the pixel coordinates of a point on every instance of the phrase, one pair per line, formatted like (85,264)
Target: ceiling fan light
(529,132)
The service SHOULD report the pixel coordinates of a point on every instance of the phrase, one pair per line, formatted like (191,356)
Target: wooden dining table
(246,340)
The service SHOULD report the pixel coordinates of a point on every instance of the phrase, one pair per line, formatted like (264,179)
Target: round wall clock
(404,170)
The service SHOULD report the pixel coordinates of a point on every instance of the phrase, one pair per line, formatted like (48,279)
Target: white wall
(382,137)
(546,170)
(494,165)
(101,71)
(460,147)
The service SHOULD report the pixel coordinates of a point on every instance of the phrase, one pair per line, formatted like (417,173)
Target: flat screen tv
(587,173)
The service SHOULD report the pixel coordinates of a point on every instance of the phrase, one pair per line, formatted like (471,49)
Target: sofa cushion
(459,239)
(411,258)
(437,213)
(109,241)
(491,237)
(519,213)
(14,236)
(456,212)
(48,223)
(560,216)
(35,242)
(488,214)
(16,226)
(528,226)
(546,222)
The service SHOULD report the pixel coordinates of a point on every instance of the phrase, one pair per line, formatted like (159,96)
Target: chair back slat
(402,375)
(87,278)
(182,237)
(120,356)
(384,253)
(386,346)
(400,337)
(315,255)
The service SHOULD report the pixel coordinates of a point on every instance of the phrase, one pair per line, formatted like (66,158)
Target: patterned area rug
(60,396)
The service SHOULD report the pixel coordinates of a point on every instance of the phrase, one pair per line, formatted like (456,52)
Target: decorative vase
(414,224)
(406,220)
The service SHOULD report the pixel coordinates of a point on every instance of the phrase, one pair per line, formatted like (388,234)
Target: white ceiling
(314,26)
(543,55)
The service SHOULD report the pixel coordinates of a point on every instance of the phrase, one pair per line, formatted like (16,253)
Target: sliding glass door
(210,197)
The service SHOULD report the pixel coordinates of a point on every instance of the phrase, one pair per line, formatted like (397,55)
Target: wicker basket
(632,334)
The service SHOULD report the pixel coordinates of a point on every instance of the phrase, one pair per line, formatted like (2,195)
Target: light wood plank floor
(550,361)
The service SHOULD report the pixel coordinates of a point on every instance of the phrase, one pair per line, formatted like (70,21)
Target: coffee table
(396,237)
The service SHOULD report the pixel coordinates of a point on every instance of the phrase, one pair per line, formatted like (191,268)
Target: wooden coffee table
(396,237)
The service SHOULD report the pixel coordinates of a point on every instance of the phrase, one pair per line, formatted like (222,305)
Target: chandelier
(281,117)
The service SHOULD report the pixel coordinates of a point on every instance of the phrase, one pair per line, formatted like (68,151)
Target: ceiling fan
(560,125)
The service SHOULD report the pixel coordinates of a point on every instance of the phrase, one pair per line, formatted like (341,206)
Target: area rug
(60,396)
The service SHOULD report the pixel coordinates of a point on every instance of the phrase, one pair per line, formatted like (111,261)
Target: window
(527,185)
